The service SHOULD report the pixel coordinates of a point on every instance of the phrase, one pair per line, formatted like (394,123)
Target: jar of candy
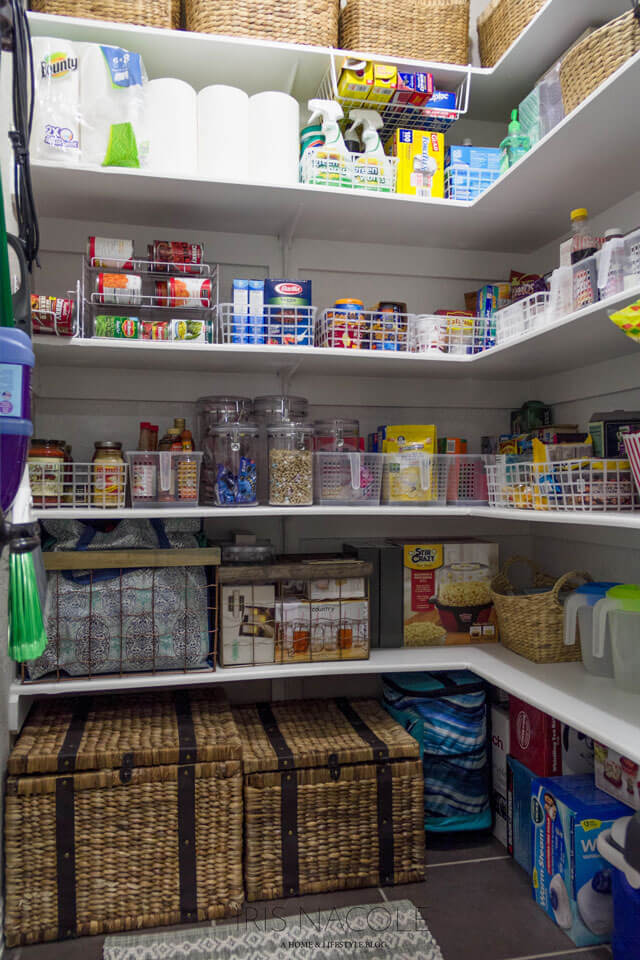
(337,435)
(233,451)
(109,475)
(291,463)
(211,411)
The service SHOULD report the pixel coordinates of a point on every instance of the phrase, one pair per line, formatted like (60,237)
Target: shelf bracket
(286,239)
(287,375)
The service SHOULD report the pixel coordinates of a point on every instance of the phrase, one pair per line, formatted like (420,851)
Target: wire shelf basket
(457,335)
(56,484)
(351,328)
(462,182)
(524,316)
(274,326)
(351,171)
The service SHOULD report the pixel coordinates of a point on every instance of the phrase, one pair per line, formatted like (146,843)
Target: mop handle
(6,302)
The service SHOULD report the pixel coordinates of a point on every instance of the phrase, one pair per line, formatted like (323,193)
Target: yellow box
(383,86)
(397,435)
(409,476)
(420,156)
(356,80)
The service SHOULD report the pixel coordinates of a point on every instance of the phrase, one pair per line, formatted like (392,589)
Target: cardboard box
(355,80)
(325,630)
(499,753)
(577,752)
(608,431)
(441,100)
(477,158)
(247,624)
(535,739)
(446,592)
(345,588)
(415,89)
(396,435)
(571,881)
(383,83)
(617,775)
(420,154)
(519,825)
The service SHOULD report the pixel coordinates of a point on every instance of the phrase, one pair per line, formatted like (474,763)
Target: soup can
(121,288)
(179,256)
(109,254)
(183,292)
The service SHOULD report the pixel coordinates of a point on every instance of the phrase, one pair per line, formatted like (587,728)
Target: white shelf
(593,705)
(584,337)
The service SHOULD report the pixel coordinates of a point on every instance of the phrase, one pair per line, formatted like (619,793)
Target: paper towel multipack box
(617,775)
(571,881)
(499,753)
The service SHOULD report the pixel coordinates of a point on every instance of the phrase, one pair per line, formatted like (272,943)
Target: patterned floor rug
(379,931)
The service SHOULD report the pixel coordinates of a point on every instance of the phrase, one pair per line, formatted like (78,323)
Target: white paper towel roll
(171,121)
(223,133)
(55,134)
(273,138)
(112,106)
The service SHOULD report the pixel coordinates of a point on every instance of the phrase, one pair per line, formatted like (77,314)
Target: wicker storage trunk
(289,21)
(500,23)
(121,813)
(144,13)
(418,29)
(333,798)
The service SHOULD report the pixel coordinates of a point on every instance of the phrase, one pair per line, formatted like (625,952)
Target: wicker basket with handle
(532,624)
(122,812)
(290,21)
(419,29)
(595,58)
(500,23)
(143,13)
(333,798)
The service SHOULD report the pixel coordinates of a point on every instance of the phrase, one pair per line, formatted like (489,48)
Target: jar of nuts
(291,463)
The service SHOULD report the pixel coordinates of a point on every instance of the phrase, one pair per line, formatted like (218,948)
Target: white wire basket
(56,484)
(55,316)
(462,182)
(413,476)
(351,171)
(509,482)
(524,316)
(395,115)
(467,479)
(350,328)
(349,479)
(274,326)
(458,335)
(632,259)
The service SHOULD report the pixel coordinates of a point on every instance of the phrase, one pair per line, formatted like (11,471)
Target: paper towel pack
(223,133)
(171,126)
(112,106)
(274,138)
(55,136)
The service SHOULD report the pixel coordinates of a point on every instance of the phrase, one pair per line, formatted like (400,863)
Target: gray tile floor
(476,901)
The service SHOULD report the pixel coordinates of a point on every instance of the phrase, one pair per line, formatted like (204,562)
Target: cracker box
(617,775)
(420,154)
(571,881)
(446,593)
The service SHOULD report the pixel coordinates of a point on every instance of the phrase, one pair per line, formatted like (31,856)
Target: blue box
(442,100)
(519,826)
(248,313)
(571,881)
(479,158)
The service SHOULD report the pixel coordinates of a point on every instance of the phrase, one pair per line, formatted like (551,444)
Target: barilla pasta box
(571,881)
(420,154)
(447,599)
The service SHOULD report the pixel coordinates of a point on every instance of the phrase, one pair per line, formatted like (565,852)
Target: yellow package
(397,435)
(385,79)
(410,474)
(356,80)
(420,156)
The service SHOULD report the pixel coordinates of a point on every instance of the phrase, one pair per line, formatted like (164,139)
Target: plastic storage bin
(337,435)
(350,479)
(414,476)
(467,480)
(231,452)
(578,612)
(164,478)
(523,316)
(291,464)
(632,260)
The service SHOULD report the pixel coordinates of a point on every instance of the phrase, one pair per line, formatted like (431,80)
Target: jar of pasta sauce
(46,470)
(109,475)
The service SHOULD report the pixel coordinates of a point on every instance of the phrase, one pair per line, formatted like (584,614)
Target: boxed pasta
(446,594)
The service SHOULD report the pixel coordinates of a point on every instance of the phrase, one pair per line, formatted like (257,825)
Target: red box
(535,739)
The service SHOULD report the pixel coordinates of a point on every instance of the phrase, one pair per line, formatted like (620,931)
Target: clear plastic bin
(164,478)
(414,476)
(523,316)
(632,260)
(467,480)
(348,479)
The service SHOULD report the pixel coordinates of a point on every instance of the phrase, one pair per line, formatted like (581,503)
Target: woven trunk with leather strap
(122,812)
(333,798)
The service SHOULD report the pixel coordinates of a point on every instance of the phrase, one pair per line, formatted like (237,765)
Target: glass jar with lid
(278,408)
(211,411)
(290,463)
(233,449)
(46,462)
(337,435)
(109,475)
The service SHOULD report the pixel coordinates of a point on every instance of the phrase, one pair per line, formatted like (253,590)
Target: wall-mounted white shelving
(565,690)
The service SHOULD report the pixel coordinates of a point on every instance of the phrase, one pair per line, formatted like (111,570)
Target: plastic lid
(102,444)
(144,425)
(612,232)
(580,213)
(281,407)
(293,426)
(598,588)
(349,300)
(346,426)
(625,591)
(15,347)
(234,428)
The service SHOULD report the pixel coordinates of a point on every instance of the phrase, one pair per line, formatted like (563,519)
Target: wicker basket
(596,57)
(419,29)
(290,21)
(532,624)
(144,13)
(333,798)
(120,813)
(502,22)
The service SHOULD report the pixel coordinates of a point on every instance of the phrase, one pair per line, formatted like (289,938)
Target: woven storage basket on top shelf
(333,798)
(290,21)
(500,23)
(122,812)
(144,13)
(420,29)
(532,624)
(595,58)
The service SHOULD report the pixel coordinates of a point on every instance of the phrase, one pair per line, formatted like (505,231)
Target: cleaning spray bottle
(330,162)
(515,145)
(370,170)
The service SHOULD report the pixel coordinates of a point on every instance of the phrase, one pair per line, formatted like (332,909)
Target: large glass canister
(211,411)
(337,435)
(290,464)
(274,409)
(233,451)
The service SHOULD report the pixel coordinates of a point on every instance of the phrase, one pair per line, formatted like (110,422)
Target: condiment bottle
(583,243)
(187,440)
(46,459)
(144,442)
(108,474)
(153,435)
(179,423)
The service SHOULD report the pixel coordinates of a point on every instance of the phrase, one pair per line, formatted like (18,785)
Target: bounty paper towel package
(571,881)
(56,118)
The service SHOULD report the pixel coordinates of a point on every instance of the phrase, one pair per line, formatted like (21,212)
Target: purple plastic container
(16,362)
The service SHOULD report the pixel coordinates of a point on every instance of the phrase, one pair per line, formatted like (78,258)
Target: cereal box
(446,593)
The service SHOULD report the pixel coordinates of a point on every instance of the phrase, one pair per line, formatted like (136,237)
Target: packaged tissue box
(571,881)
(617,775)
